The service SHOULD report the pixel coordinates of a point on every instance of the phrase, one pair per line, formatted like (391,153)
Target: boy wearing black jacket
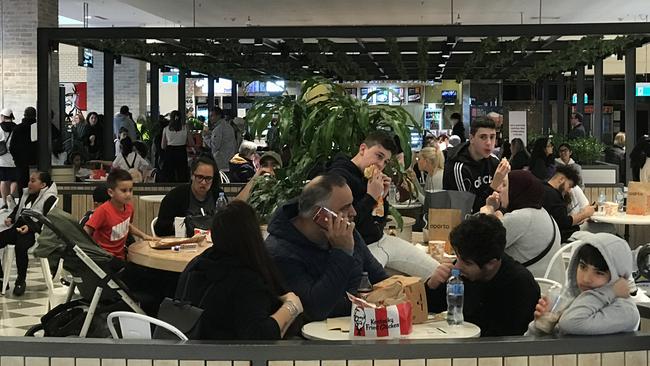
(472,167)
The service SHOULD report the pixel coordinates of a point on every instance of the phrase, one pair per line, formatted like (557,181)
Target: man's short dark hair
(100,194)
(479,239)
(564,144)
(382,138)
(30,112)
(455,115)
(578,116)
(317,192)
(124,109)
(569,173)
(481,123)
(116,176)
(589,254)
(45,177)
(206,161)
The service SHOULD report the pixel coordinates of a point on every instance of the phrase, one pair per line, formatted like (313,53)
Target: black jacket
(502,306)
(459,130)
(241,169)
(542,168)
(519,161)
(319,276)
(23,150)
(236,302)
(370,227)
(555,205)
(462,173)
(176,203)
(577,132)
(616,155)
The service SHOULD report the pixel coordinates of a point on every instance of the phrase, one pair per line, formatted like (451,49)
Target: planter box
(600,174)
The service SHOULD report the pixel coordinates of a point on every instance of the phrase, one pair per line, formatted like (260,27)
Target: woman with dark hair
(532,236)
(520,157)
(175,139)
(542,164)
(237,284)
(95,141)
(40,196)
(128,159)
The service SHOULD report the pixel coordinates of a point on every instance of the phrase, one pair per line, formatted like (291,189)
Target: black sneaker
(19,288)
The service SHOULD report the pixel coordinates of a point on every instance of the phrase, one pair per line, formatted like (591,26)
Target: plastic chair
(566,248)
(545,284)
(224,177)
(138,326)
(153,223)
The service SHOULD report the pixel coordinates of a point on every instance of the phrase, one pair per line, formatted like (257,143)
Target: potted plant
(313,126)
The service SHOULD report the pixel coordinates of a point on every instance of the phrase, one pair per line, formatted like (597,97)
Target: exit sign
(642,89)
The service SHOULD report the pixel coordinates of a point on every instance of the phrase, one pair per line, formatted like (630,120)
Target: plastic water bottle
(392,194)
(221,201)
(620,199)
(455,295)
(601,202)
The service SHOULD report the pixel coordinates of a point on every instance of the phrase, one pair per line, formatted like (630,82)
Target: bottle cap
(455,272)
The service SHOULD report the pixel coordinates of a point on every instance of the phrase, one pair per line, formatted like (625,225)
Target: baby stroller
(93,272)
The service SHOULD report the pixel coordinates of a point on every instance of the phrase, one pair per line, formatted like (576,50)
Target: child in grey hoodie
(597,278)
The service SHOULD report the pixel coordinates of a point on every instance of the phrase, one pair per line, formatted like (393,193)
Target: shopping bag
(369,321)
(638,198)
(463,201)
(413,288)
(441,222)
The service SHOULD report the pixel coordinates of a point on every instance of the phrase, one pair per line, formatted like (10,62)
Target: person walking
(7,167)
(175,139)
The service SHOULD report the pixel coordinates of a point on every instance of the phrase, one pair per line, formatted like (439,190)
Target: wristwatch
(293,309)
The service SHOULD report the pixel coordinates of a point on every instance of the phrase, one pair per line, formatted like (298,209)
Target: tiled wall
(639,358)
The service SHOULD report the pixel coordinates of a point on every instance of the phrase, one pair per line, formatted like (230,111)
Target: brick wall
(69,70)
(19,21)
(130,83)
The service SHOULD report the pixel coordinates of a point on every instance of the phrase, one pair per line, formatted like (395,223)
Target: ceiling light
(442,64)
(88,17)
(258,42)
(446,56)
(451,41)
(305,66)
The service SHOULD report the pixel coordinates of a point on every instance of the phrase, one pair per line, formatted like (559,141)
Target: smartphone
(322,215)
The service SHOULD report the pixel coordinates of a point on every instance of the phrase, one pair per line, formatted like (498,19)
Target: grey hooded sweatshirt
(598,311)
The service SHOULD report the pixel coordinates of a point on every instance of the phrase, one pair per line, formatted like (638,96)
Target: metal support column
(546,108)
(597,116)
(42,102)
(630,106)
(210,94)
(154,96)
(109,108)
(560,104)
(580,94)
(233,99)
(181,93)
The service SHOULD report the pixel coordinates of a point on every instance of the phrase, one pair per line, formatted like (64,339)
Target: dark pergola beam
(292,32)
(630,107)
(109,109)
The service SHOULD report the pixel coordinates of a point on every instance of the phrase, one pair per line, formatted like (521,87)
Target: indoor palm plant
(313,126)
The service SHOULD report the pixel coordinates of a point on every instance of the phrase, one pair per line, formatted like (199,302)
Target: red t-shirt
(111,227)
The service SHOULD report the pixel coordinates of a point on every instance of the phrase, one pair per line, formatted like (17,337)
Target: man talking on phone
(321,256)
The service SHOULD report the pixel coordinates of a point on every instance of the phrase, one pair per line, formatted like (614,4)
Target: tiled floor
(19,313)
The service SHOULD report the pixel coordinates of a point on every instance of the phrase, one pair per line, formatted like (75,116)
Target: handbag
(4,148)
(202,222)
(181,314)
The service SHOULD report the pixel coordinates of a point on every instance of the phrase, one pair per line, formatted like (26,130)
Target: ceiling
(213,13)
(342,58)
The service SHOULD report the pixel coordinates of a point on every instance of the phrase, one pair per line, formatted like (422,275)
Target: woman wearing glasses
(197,198)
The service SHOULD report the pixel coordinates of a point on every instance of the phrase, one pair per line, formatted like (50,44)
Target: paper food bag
(370,321)
(413,289)
(638,198)
(441,222)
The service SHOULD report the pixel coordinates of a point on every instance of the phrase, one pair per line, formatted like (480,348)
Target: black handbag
(181,314)
(203,222)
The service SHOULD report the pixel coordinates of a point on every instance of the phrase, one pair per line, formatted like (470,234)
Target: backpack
(4,148)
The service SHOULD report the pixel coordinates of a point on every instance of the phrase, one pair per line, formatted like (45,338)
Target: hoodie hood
(616,252)
(281,226)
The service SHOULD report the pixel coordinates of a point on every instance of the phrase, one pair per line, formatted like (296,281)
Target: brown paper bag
(638,198)
(441,222)
(413,287)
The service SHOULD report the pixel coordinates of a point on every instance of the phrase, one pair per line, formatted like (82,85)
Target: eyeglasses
(564,150)
(204,178)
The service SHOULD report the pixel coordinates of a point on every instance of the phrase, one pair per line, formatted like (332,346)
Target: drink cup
(437,249)
(558,301)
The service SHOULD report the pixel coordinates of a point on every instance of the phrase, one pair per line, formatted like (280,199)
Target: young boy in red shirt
(111,223)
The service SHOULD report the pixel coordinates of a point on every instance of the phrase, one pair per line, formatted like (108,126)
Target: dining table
(143,254)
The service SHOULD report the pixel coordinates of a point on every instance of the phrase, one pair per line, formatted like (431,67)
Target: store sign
(643,89)
(517,125)
(170,78)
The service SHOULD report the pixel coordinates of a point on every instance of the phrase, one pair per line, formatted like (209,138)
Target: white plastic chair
(545,284)
(153,223)
(566,248)
(224,177)
(138,326)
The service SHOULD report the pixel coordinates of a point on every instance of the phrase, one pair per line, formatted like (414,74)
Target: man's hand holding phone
(338,230)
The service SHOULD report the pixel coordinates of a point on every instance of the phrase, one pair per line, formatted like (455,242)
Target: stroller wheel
(31,332)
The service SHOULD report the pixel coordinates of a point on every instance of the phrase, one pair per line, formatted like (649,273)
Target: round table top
(622,218)
(432,329)
(166,259)
(155,198)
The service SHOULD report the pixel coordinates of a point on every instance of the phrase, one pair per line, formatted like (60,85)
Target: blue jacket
(319,276)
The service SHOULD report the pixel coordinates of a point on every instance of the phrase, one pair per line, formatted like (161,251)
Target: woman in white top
(128,159)
(532,236)
(432,161)
(175,139)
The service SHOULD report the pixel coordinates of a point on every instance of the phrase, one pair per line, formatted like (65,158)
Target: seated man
(555,190)
(268,163)
(191,199)
(370,193)
(242,166)
(321,263)
(500,294)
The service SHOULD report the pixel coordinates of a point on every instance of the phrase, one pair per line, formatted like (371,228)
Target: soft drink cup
(557,302)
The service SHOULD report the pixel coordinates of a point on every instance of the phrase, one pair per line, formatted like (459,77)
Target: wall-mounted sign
(643,89)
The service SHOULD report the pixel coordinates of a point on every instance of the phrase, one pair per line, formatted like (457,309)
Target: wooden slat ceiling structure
(409,53)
